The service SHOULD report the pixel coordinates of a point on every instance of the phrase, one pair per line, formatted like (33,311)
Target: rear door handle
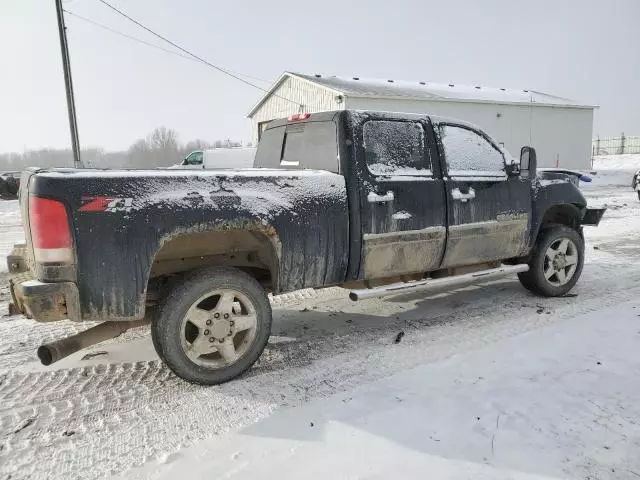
(375,198)
(463,197)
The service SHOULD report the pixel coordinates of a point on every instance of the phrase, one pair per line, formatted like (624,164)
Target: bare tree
(163,146)
(139,153)
(160,148)
(197,144)
(163,138)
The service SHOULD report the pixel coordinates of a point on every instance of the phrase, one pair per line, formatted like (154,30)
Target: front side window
(468,153)
(395,148)
(194,158)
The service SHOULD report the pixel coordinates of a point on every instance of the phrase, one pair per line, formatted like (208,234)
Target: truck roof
(330,115)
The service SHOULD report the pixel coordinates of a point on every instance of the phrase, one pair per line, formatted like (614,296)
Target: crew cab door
(401,197)
(489,211)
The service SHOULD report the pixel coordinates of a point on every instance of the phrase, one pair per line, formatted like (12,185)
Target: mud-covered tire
(168,327)
(535,279)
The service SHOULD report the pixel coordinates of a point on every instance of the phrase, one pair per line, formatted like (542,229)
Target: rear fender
(241,244)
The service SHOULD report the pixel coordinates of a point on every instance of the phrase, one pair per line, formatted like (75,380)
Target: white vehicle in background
(635,183)
(238,157)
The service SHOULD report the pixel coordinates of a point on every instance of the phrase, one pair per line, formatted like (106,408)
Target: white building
(559,129)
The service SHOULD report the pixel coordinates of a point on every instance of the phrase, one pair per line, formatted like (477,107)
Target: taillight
(50,233)
(299,116)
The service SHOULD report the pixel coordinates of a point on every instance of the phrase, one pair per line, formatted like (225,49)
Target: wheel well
(254,252)
(565,214)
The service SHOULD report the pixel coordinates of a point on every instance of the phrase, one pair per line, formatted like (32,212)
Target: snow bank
(617,162)
(615,170)
(10,229)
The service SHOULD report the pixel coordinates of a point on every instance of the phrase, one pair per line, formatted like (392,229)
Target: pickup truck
(379,203)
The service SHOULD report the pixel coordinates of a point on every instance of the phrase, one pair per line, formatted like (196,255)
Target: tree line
(161,148)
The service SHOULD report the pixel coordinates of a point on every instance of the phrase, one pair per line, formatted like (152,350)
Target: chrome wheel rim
(219,328)
(560,262)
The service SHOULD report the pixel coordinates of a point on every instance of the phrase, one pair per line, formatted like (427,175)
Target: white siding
(307,97)
(557,133)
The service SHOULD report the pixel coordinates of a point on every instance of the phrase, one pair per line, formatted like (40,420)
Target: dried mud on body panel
(305,211)
(388,254)
(484,241)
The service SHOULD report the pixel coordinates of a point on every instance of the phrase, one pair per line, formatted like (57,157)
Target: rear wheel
(213,325)
(556,262)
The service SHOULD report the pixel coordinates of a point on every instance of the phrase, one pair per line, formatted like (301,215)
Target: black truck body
(335,198)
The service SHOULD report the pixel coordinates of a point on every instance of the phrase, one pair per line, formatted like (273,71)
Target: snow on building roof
(422,90)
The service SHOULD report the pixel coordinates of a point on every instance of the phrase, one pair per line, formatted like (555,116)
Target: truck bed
(121,218)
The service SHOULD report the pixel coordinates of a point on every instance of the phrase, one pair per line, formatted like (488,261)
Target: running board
(436,283)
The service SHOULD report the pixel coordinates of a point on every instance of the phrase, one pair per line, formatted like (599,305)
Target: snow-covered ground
(488,382)
(10,229)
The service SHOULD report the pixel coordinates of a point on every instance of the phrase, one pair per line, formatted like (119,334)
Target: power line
(152,45)
(220,69)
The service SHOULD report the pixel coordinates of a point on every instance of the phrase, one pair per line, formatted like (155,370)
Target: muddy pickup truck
(378,203)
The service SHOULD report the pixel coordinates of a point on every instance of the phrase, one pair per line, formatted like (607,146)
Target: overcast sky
(586,50)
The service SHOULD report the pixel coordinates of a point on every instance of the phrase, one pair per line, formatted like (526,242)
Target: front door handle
(463,197)
(375,198)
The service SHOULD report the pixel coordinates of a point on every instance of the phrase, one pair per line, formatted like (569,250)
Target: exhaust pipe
(54,351)
(434,284)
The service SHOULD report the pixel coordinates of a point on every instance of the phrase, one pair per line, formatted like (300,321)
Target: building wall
(307,97)
(560,135)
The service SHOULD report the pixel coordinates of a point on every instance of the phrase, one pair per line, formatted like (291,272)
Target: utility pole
(68,84)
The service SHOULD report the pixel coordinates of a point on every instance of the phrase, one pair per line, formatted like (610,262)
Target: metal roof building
(560,129)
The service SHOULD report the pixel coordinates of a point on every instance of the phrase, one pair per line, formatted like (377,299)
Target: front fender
(563,198)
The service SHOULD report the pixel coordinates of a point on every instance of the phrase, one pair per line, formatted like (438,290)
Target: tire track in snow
(123,415)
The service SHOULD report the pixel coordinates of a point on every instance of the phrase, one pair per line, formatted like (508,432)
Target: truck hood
(554,187)
(562,173)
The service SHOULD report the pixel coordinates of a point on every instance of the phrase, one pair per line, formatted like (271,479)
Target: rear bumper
(42,301)
(45,302)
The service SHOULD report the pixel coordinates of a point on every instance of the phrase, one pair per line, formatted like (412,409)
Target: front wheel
(638,192)
(213,325)
(556,262)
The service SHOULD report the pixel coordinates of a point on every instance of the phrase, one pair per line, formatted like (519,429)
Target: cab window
(395,148)
(468,153)
(194,158)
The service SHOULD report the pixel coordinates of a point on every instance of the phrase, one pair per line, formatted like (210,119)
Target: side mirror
(184,162)
(528,161)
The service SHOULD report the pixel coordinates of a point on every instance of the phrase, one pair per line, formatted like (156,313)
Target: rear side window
(395,148)
(300,145)
(469,153)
